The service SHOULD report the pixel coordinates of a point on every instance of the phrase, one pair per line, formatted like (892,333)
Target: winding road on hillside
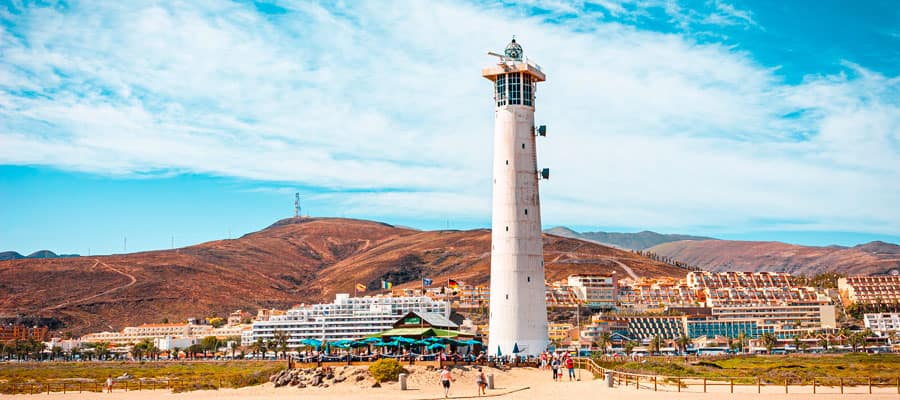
(131,277)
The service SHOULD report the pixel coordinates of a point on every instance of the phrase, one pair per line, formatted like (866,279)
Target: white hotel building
(346,318)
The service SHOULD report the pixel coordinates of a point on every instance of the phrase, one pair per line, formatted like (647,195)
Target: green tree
(629,347)
(210,344)
(655,344)
(823,343)
(797,342)
(768,341)
(216,322)
(604,340)
(281,341)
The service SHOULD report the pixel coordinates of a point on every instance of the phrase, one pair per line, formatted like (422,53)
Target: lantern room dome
(514,50)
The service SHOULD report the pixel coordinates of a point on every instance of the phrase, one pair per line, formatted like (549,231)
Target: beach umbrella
(422,342)
(370,340)
(436,346)
(515,348)
(401,339)
(499,353)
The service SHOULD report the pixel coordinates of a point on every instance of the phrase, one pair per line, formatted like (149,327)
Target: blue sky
(763,120)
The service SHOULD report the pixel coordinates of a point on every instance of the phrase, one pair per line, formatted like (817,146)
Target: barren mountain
(294,260)
(729,255)
(631,241)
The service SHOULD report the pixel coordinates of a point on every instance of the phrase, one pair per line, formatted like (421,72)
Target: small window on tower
(529,279)
(507,162)
(507,229)
(523,145)
(526,211)
(507,296)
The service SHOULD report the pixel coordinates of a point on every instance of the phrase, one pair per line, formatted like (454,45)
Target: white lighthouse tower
(518,319)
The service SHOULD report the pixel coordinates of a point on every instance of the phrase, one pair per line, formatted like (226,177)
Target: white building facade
(882,323)
(518,308)
(347,318)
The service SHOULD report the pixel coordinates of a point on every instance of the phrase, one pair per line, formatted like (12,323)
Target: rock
(360,378)
(376,385)
(324,385)
(339,379)
(329,376)
(316,381)
(301,385)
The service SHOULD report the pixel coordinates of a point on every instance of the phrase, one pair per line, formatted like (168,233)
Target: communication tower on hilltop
(518,311)
(296,204)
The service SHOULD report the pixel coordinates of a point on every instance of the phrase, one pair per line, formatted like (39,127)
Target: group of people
(557,361)
(446,377)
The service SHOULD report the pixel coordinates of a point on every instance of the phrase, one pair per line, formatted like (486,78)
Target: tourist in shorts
(446,378)
(109,384)
(554,365)
(481,380)
(570,365)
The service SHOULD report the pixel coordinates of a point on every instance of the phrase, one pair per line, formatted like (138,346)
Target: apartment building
(134,334)
(882,323)
(870,290)
(346,318)
(595,291)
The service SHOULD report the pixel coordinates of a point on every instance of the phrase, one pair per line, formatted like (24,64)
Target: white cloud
(646,129)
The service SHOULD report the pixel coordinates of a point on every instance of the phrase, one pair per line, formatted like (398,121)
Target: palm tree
(797,342)
(655,344)
(256,347)
(629,346)
(604,340)
(281,339)
(742,338)
(768,340)
(234,346)
(823,342)
(683,342)
(271,344)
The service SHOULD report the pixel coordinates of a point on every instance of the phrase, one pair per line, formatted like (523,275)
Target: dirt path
(106,292)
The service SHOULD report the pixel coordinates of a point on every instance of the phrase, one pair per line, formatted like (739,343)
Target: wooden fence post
(842,385)
(870,385)
(679,384)
(654,383)
(758,385)
(704,385)
(814,385)
(732,385)
(786,380)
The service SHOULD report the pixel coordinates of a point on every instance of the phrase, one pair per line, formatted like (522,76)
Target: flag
(386,285)
(452,284)
(426,282)
(360,287)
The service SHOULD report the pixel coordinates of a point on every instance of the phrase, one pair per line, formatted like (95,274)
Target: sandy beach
(523,383)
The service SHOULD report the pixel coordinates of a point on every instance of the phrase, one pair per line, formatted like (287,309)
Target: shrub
(385,370)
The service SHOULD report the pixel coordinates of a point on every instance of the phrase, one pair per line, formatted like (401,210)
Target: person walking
(554,365)
(481,380)
(446,378)
(570,365)
(109,384)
